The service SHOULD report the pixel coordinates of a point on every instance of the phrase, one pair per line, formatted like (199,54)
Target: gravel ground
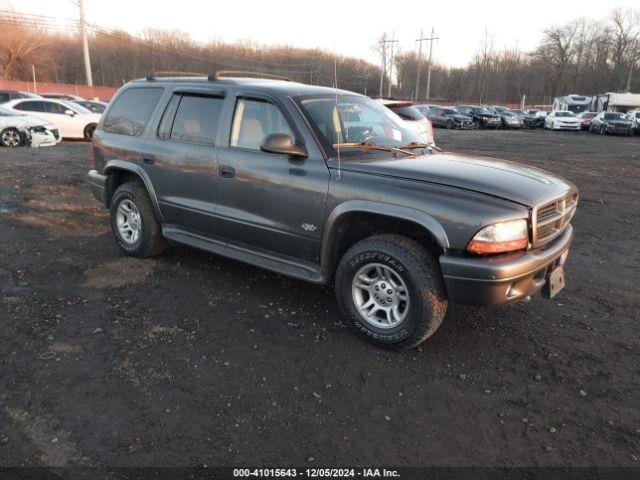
(193,359)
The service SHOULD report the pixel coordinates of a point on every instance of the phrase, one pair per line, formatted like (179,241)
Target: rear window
(408,113)
(131,111)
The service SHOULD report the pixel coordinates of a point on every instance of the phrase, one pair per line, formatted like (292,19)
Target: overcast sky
(347,27)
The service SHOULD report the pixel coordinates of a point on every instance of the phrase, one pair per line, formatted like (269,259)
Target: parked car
(585,119)
(482,118)
(634,117)
(528,120)
(71,119)
(61,96)
(94,106)
(6,95)
(539,116)
(18,130)
(508,118)
(562,120)
(328,186)
(611,123)
(415,119)
(446,117)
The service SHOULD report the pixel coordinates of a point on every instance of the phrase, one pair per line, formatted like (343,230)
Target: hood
(25,121)
(499,178)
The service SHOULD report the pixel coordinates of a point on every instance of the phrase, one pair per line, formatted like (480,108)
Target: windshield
(564,114)
(614,116)
(357,119)
(408,112)
(588,115)
(6,112)
(481,110)
(519,112)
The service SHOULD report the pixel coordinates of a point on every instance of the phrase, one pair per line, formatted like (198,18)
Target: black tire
(10,137)
(603,131)
(88,131)
(450,125)
(420,272)
(477,125)
(150,241)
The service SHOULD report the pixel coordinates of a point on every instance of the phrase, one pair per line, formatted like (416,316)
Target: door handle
(148,159)
(227,171)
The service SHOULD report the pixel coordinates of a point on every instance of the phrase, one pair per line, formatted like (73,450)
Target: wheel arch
(355,220)
(119,172)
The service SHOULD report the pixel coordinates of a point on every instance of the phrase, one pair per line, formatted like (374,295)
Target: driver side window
(254,120)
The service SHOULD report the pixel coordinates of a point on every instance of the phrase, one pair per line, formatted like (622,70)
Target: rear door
(180,158)
(270,201)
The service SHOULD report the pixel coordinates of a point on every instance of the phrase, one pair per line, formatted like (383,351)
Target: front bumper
(615,130)
(502,279)
(97,183)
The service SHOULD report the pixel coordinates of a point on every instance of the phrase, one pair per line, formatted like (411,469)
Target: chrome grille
(551,218)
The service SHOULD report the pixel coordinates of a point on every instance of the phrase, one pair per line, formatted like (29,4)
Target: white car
(17,129)
(562,120)
(634,116)
(73,120)
(413,117)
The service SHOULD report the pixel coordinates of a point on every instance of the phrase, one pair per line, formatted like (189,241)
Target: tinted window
(4,97)
(52,107)
(30,106)
(131,111)
(197,119)
(408,113)
(614,116)
(253,120)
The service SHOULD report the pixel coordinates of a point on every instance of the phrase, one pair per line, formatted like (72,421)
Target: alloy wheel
(11,138)
(380,295)
(129,222)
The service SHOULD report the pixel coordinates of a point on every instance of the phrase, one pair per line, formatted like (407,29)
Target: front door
(180,157)
(270,201)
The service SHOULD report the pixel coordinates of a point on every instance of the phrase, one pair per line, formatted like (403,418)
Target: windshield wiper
(420,145)
(373,146)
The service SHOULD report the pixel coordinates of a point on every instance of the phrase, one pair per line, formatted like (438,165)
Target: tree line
(581,56)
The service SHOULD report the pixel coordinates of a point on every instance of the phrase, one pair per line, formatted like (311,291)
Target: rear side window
(254,120)
(131,111)
(197,119)
(52,107)
(4,97)
(30,106)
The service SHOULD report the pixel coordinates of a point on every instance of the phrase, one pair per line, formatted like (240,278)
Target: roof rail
(167,73)
(239,73)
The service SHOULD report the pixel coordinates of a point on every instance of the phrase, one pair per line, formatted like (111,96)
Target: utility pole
(431,39)
(420,40)
(383,68)
(85,45)
(393,41)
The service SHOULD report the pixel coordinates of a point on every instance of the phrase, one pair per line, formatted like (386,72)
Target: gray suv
(331,187)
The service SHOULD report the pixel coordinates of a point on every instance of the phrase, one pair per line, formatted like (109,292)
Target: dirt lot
(193,359)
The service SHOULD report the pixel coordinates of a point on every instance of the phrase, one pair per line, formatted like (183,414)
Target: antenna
(335,86)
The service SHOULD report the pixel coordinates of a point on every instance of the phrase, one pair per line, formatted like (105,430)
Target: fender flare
(418,217)
(121,165)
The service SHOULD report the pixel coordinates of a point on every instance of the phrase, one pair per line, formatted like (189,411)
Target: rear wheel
(134,223)
(88,131)
(390,289)
(10,137)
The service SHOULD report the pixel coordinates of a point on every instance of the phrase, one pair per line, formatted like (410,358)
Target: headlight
(500,237)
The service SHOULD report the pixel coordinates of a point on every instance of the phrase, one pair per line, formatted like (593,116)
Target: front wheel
(450,125)
(134,223)
(10,137)
(390,289)
(603,130)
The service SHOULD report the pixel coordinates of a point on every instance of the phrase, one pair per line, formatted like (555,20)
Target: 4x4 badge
(309,227)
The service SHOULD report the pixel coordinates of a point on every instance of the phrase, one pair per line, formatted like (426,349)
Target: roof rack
(167,73)
(239,73)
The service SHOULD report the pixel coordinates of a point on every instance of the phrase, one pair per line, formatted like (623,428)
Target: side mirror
(70,112)
(282,144)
